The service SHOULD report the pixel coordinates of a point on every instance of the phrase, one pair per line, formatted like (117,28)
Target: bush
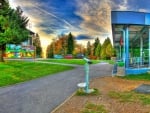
(120,64)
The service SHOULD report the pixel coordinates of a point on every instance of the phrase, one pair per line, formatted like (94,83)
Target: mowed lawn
(12,72)
(144,76)
(70,61)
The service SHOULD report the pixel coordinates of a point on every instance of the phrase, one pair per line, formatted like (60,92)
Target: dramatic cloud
(86,19)
(96,15)
(83,37)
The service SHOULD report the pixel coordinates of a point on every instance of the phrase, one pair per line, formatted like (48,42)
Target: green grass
(81,92)
(71,61)
(93,108)
(12,72)
(145,76)
(130,97)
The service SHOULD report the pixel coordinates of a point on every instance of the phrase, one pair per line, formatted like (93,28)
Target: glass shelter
(131,37)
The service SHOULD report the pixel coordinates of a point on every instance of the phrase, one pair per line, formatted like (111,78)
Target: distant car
(69,56)
(58,56)
(80,56)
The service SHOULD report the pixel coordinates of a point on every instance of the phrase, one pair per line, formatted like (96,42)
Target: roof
(138,24)
(130,17)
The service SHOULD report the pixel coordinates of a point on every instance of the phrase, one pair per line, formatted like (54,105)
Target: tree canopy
(37,44)
(70,44)
(12,26)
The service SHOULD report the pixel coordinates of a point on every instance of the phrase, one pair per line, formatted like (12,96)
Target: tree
(98,51)
(60,45)
(50,51)
(88,51)
(37,44)
(12,26)
(78,49)
(110,50)
(104,52)
(70,44)
(96,43)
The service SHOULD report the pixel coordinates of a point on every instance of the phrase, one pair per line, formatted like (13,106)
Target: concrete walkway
(44,94)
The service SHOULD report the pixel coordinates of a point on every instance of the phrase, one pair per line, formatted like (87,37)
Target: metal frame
(132,26)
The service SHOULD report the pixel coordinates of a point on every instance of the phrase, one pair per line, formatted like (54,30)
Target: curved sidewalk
(44,94)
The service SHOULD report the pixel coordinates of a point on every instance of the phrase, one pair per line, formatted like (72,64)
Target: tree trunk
(2,50)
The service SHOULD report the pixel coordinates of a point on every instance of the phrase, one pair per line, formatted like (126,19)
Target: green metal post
(124,46)
(127,47)
(149,46)
(87,77)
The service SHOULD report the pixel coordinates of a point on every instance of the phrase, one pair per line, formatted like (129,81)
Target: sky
(85,19)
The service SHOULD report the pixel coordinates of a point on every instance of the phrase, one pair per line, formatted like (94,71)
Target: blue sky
(86,19)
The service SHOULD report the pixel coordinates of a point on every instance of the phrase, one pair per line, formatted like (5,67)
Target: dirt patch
(105,85)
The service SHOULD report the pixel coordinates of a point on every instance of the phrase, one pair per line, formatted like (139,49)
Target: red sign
(121,41)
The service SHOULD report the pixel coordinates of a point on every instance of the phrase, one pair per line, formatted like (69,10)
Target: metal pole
(149,46)
(87,77)
(141,50)
(127,46)
(124,46)
(120,53)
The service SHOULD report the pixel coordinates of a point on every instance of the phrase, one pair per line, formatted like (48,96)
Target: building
(131,37)
(23,50)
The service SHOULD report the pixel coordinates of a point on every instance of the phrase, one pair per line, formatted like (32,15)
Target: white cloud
(143,10)
(23,3)
(123,6)
(96,16)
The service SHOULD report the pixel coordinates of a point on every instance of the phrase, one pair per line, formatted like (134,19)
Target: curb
(55,109)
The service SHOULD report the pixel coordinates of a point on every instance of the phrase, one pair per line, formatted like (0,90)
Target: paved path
(44,94)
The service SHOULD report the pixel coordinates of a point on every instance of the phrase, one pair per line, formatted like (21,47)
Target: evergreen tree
(109,50)
(12,26)
(98,51)
(70,44)
(37,44)
(96,43)
(104,55)
(88,51)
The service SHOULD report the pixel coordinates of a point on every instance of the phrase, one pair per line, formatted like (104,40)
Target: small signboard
(19,51)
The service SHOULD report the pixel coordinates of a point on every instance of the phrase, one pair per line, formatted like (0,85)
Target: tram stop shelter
(131,39)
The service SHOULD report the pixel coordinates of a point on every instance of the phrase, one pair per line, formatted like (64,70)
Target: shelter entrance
(138,45)
(131,37)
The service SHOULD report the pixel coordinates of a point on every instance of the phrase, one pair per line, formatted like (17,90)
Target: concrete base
(120,71)
(89,91)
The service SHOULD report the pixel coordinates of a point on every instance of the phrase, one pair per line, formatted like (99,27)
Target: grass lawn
(145,76)
(133,96)
(71,61)
(12,72)
(130,97)
(93,108)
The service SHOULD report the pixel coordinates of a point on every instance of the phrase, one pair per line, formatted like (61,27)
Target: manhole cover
(144,88)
